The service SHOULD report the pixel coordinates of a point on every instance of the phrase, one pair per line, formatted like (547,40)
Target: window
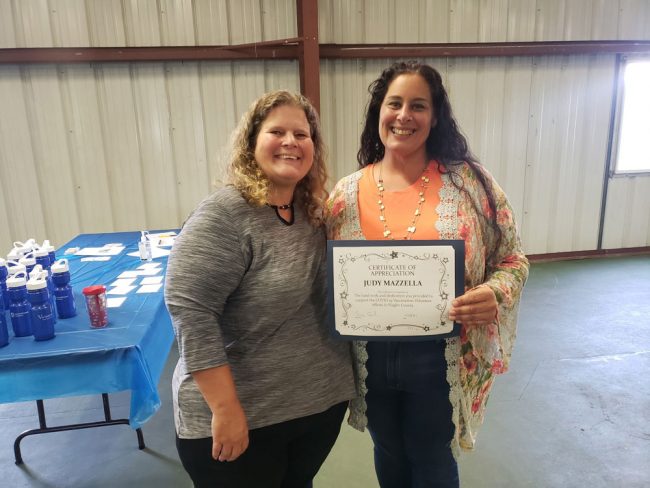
(632,129)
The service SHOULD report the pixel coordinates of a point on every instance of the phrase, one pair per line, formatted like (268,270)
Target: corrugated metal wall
(103,147)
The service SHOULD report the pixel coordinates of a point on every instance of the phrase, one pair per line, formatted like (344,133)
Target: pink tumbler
(96,305)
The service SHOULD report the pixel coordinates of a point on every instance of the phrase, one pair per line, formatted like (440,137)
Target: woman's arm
(497,268)
(229,426)
(507,272)
(205,267)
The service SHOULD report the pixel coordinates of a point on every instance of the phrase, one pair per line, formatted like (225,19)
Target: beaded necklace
(410,230)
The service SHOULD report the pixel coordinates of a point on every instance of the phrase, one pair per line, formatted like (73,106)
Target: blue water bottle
(28,261)
(20,310)
(36,272)
(4,333)
(14,267)
(42,257)
(42,313)
(20,249)
(63,294)
(50,249)
(4,272)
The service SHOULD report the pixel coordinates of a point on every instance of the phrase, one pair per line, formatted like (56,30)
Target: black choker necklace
(288,206)
(282,207)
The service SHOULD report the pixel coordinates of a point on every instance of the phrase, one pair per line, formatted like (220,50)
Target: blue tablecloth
(128,354)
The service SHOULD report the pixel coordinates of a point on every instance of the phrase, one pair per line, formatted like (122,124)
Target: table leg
(44,429)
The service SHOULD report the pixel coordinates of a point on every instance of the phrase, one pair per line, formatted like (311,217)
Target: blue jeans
(409,415)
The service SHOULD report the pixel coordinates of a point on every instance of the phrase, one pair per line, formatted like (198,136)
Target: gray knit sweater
(244,289)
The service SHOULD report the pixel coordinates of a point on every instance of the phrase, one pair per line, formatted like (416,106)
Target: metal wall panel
(21,207)
(130,146)
(68,21)
(58,23)
(211,20)
(384,21)
(464,20)
(491,100)
(278,20)
(104,23)
(118,146)
(7,29)
(141,23)
(566,157)
(634,19)
(47,125)
(627,215)
(539,125)
(31,23)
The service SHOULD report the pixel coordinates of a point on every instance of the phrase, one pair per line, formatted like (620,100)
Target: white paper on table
(114,302)
(149,272)
(149,265)
(97,258)
(120,290)
(123,282)
(149,288)
(164,239)
(113,250)
(154,280)
(156,252)
(128,274)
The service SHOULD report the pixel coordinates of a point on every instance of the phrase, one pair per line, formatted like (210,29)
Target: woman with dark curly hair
(259,389)
(422,401)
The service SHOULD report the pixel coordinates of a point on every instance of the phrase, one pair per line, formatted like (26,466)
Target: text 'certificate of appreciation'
(394,290)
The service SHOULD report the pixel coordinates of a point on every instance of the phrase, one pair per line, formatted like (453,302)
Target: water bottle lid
(15,267)
(61,266)
(40,252)
(15,254)
(37,271)
(17,280)
(28,259)
(36,282)
(47,245)
(94,290)
(25,247)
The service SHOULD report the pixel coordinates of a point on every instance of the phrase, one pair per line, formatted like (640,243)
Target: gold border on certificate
(391,290)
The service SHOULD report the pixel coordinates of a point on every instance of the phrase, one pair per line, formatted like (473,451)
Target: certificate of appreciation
(394,290)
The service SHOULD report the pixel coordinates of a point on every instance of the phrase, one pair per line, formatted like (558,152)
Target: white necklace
(410,230)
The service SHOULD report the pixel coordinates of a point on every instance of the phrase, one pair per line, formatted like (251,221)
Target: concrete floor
(574,411)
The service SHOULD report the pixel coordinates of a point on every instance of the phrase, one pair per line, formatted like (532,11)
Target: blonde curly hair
(245,174)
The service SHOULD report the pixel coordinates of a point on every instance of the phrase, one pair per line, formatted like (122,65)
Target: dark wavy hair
(445,144)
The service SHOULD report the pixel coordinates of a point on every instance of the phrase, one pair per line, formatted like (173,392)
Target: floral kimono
(481,352)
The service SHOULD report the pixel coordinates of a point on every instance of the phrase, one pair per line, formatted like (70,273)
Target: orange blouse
(399,207)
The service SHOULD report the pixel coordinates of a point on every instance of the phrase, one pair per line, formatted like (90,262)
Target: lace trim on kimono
(358,406)
(351,219)
(452,355)
(447,209)
(352,226)
(447,225)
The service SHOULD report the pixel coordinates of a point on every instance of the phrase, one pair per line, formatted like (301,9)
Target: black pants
(284,455)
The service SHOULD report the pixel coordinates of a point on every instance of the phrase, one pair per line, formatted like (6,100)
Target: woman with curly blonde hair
(259,390)
(249,178)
